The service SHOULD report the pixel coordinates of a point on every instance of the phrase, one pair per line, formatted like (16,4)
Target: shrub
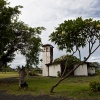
(32,73)
(95,86)
(58,73)
(98,72)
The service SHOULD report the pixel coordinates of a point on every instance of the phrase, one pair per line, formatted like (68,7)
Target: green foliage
(76,33)
(32,73)
(70,58)
(6,69)
(35,72)
(98,72)
(17,36)
(95,86)
(18,68)
(7,15)
(59,74)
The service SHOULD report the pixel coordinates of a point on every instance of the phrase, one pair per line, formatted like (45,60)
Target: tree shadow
(9,80)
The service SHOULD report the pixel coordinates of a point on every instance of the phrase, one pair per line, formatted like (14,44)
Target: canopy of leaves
(67,58)
(76,33)
(6,16)
(17,36)
(73,35)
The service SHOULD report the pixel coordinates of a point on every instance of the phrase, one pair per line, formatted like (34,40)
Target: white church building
(49,69)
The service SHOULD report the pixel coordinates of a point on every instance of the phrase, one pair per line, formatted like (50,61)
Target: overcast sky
(50,13)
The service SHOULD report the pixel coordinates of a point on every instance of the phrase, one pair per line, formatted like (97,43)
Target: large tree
(74,35)
(15,36)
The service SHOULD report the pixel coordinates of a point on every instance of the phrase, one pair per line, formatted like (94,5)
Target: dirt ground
(5,96)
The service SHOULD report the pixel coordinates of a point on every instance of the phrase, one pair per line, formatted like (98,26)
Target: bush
(98,72)
(58,73)
(95,86)
(32,73)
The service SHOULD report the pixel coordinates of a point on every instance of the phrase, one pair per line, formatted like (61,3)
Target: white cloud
(50,13)
(19,61)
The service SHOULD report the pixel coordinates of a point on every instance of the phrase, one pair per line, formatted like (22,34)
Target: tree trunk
(53,87)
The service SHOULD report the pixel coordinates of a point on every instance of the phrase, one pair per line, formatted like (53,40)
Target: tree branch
(66,62)
(79,53)
(89,48)
(95,49)
(69,74)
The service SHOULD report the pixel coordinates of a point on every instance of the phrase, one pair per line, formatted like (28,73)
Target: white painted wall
(81,70)
(91,70)
(46,55)
(46,60)
(53,70)
(44,70)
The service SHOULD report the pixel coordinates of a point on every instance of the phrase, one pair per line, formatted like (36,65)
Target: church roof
(47,45)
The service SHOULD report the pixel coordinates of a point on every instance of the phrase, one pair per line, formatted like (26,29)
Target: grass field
(8,74)
(72,87)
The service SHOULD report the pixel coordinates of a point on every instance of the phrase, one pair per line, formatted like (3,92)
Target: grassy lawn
(72,87)
(8,74)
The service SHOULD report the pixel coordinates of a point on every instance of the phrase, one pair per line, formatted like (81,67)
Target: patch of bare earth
(5,96)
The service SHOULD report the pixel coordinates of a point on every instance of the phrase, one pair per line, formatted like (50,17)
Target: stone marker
(22,76)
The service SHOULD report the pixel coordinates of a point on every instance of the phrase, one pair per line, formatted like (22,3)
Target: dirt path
(5,96)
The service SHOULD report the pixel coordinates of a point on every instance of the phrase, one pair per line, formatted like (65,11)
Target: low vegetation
(95,86)
(72,87)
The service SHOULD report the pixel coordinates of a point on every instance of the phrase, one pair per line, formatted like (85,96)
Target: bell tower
(47,58)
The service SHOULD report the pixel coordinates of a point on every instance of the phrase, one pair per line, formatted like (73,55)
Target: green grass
(72,87)
(8,74)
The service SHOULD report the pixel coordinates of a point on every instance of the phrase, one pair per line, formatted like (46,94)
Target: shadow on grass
(4,92)
(9,80)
